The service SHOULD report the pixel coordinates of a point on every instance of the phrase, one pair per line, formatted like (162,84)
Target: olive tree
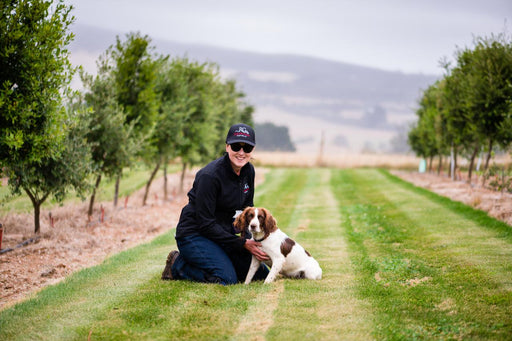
(112,145)
(490,90)
(39,138)
(134,71)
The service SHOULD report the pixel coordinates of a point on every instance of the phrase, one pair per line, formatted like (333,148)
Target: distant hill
(364,107)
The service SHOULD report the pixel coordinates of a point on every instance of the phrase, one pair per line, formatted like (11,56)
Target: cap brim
(240,141)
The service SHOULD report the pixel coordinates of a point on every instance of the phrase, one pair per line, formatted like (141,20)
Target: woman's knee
(208,258)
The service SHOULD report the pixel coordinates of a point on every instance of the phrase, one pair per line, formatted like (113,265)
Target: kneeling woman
(209,249)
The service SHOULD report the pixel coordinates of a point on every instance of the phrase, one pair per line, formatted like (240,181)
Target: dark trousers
(202,260)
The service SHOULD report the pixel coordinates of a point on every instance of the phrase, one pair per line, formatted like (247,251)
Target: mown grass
(432,268)
(399,263)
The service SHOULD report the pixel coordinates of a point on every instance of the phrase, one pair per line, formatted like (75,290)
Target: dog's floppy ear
(240,222)
(270,221)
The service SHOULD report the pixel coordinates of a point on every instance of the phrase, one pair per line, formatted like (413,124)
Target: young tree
(474,101)
(56,175)
(108,135)
(35,71)
(460,120)
(198,133)
(34,67)
(490,89)
(134,70)
(428,124)
(214,106)
(174,108)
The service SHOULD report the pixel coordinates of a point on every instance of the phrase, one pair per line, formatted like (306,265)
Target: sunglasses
(237,146)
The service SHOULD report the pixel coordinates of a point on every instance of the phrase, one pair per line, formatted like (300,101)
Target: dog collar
(259,240)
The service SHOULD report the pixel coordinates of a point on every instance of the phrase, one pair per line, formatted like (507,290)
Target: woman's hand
(254,248)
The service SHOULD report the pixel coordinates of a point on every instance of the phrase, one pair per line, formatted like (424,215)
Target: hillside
(361,107)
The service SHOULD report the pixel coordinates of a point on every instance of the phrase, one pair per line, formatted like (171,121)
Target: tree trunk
(116,192)
(430,163)
(37,214)
(148,185)
(182,179)
(440,165)
(166,161)
(472,162)
(93,196)
(37,209)
(489,154)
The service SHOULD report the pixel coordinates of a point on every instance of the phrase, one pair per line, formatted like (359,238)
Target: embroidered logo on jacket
(246,188)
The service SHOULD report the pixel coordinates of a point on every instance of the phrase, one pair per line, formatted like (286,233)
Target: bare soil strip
(498,205)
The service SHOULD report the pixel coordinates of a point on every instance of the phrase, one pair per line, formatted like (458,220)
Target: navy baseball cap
(241,133)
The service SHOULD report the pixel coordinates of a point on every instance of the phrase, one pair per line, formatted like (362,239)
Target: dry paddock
(338,160)
(355,160)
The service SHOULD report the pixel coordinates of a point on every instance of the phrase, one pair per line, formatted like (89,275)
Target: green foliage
(110,137)
(134,72)
(175,107)
(56,175)
(490,90)
(42,148)
(199,133)
(470,108)
(139,105)
(202,107)
(33,68)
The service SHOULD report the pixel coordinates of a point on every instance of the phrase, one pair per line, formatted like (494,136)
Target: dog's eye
(261,217)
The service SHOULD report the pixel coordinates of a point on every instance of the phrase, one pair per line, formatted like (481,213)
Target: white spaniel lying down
(288,257)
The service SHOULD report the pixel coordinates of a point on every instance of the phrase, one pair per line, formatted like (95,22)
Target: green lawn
(400,263)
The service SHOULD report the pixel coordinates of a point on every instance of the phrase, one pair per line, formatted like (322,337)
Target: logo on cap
(242,131)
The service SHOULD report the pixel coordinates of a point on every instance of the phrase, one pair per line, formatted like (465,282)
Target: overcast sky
(396,35)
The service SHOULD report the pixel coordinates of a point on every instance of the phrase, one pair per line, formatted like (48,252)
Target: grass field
(399,262)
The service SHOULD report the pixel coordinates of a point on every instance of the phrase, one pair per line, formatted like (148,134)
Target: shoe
(171,258)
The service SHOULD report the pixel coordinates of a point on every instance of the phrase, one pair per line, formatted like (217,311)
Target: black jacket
(215,196)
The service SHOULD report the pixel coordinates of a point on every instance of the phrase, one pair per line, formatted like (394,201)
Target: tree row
(468,113)
(138,106)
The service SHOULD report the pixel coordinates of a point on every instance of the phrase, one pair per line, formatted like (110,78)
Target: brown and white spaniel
(288,257)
